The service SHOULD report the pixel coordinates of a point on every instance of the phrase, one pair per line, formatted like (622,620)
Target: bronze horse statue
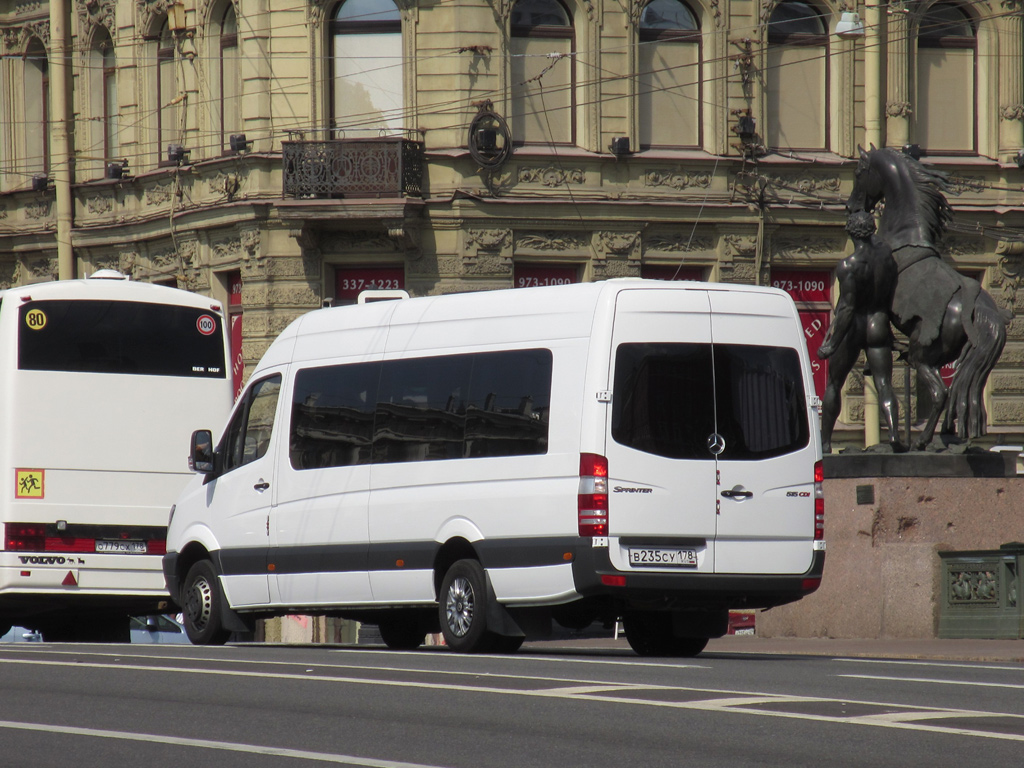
(945,316)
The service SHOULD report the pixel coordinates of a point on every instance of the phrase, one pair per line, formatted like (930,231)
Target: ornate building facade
(283,154)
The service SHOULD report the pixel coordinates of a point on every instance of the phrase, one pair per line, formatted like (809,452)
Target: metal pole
(61,160)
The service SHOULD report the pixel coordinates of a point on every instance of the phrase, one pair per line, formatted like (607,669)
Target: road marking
(975,683)
(227,746)
(719,701)
(940,664)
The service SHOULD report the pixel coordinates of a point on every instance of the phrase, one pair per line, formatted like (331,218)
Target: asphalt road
(254,706)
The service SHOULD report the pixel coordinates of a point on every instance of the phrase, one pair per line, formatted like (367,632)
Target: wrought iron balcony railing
(385,167)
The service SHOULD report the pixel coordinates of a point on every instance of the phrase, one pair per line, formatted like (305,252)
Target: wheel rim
(198,603)
(459,606)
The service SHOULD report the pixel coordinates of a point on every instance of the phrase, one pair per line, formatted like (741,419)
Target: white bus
(101,382)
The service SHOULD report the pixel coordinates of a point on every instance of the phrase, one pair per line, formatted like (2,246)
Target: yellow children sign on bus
(29,483)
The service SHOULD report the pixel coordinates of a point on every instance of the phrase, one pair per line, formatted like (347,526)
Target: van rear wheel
(462,608)
(649,633)
(201,604)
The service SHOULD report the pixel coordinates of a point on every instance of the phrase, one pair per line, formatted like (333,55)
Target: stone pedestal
(886,519)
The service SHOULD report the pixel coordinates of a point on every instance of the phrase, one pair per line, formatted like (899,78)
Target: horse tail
(976,361)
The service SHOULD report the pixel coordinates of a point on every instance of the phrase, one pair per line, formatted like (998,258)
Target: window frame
(676,36)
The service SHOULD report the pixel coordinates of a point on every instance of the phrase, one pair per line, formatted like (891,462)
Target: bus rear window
(139,338)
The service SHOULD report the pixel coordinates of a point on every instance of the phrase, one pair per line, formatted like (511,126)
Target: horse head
(868,186)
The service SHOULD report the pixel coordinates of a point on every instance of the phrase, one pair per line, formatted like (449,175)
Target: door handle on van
(738,494)
(262,485)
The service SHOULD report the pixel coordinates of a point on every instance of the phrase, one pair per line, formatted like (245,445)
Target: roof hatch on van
(379,294)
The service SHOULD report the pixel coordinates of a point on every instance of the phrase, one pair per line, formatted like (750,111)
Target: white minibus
(101,380)
(486,463)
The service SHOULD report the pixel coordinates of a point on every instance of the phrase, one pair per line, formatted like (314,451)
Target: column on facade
(1011,84)
(897,103)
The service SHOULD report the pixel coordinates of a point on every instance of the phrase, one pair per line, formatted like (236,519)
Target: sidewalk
(937,650)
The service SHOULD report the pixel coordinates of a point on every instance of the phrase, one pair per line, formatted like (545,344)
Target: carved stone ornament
(38,209)
(40,267)
(164,258)
(618,245)
(807,246)
(677,179)
(958,185)
(803,183)
(1012,112)
(96,13)
(159,193)
(552,176)
(549,242)
(9,273)
(150,10)
(99,204)
(740,245)
(3,212)
(129,263)
(16,39)
(678,243)
(488,240)
(898,109)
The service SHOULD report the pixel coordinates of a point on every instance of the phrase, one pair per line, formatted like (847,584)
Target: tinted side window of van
(332,415)
(248,435)
(669,398)
(422,409)
(509,403)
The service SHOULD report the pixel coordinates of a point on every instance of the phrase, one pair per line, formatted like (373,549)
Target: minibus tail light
(819,501)
(592,502)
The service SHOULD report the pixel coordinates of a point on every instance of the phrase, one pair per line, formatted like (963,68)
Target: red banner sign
(349,283)
(529,276)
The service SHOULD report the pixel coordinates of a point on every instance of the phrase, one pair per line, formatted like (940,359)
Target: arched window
(229,102)
(37,109)
(542,99)
(946,81)
(103,105)
(166,93)
(669,76)
(796,77)
(368,94)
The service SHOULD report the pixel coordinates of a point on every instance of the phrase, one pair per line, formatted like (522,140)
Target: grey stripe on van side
(385,556)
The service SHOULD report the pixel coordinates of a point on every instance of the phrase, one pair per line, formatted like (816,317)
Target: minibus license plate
(661,556)
(124,547)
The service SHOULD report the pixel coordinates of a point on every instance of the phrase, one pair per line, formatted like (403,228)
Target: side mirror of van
(200,458)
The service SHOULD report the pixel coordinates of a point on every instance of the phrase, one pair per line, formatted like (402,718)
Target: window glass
(332,415)
(457,406)
(795,18)
(542,100)
(539,13)
(663,399)
(509,404)
(945,20)
(669,79)
(667,14)
(421,409)
(120,337)
(762,411)
(669,398)
(247,437)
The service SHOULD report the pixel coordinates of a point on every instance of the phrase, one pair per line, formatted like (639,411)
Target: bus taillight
(25,537)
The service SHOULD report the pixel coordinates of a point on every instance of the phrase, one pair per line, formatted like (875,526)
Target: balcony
(353,168)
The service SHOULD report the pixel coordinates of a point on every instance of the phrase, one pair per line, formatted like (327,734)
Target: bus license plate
(662,557)
(123,547)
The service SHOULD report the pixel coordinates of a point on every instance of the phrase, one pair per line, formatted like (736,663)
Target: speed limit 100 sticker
(35,319)
(206,325)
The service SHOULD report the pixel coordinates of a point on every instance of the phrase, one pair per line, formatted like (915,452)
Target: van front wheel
(201,604)
(463,608)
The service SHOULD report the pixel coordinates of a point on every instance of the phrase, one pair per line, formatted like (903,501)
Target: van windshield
(670,398)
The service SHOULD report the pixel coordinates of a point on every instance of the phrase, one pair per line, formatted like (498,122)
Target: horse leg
(938,395)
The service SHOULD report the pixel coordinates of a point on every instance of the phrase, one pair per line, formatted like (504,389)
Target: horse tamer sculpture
(945,316)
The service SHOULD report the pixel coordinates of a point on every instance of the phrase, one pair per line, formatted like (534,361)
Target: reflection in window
(248,435)
(795,81)
(669,75)
(368,94)
(670,398)
(541,110)
(422,409)
(946,87)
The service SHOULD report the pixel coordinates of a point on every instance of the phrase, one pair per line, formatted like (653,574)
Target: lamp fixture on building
(913,150)
(40,182)
(620,146)
(176,17)
(177,153)
(238,143)
(850,26)
(116,170)
(746,127)
(487,142)
(1020,158)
